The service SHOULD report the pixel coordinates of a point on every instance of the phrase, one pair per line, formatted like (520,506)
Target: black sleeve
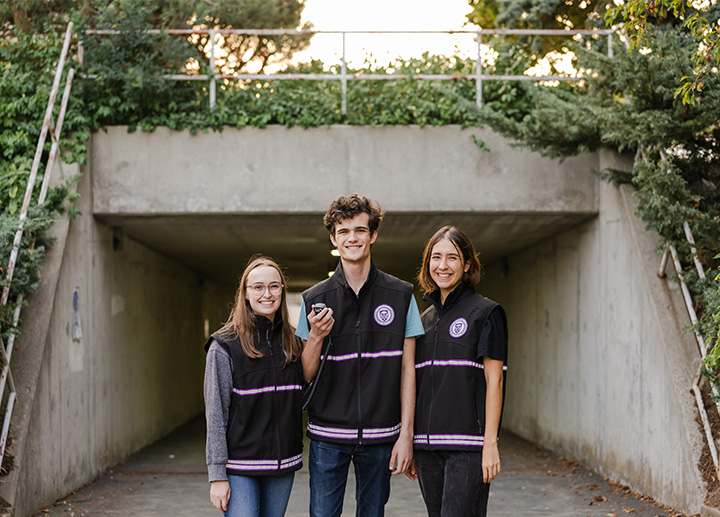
(493,337)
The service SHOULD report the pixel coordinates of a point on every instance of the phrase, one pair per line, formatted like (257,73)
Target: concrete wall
(135,375)
(600,367)
(172,172)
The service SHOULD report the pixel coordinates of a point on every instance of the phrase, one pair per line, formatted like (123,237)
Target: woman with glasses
(253,378)
(460,365)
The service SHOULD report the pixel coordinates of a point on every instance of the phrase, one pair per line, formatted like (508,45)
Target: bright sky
(386,15)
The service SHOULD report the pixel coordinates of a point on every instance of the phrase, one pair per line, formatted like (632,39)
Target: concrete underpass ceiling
(218,246)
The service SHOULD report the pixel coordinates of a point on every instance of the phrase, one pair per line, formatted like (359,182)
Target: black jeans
(451,483)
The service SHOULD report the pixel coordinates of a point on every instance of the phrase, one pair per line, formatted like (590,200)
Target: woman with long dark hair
(253,379)
(460,365)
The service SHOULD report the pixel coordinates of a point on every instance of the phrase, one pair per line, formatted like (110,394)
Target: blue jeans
(259,496)
(451,483)
(328,464)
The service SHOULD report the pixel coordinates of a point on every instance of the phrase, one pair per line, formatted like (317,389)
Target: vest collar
(263,323)
(339,277)
(461,291)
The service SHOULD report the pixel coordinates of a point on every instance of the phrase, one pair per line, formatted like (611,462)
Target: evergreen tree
(628,103)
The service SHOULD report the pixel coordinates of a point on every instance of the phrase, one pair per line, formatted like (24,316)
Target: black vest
(264,435)
(450,380)
(357,399)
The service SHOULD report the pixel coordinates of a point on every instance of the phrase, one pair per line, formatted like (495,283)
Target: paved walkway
(169,479)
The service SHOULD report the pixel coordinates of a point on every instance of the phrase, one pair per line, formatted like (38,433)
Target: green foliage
(635,17)
(111,100)
(34,16)
(712,361)
(243,50)
(628,103)
(538,14)
(26,73)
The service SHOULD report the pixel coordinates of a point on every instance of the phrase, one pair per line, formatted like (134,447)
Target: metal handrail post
(478,72)
(8,349)
(343,78)
(212,68)
(663,263)
(56,137)
(6,421)
(35,166)
(688,301)
(696,258)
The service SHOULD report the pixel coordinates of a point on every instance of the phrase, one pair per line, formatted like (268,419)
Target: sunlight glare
(381,15)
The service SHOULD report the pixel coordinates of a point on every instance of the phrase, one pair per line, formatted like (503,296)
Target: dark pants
(451,483)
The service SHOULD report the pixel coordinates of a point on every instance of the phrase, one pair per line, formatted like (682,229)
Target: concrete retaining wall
(600,367)
(136,373)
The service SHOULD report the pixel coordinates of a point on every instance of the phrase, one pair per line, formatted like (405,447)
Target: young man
(364,402)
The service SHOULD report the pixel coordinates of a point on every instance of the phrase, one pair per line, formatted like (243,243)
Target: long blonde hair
(242,323)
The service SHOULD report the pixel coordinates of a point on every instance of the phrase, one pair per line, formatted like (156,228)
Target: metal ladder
(6,349)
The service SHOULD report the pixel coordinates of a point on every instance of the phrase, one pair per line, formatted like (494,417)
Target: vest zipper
(274,396)
(359,371)
(432,377)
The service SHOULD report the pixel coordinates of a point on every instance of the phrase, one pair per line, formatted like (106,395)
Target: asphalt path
(168,478)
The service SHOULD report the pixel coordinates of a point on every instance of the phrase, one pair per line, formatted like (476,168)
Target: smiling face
(353,239)
(446,266)
(264,291)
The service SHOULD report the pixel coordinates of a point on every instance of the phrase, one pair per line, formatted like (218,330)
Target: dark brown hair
(466,249)
(242,323)
(347,207)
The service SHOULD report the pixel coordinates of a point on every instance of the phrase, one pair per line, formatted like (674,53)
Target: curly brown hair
(347,207)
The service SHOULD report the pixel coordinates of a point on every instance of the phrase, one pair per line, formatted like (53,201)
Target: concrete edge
(30,352)
(670,313)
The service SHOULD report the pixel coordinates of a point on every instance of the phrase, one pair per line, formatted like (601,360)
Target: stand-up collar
(339,276)
(461,291)
(263,323)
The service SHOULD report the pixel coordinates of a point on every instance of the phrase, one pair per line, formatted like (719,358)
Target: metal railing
(344,76)
(670,251)
(47,127)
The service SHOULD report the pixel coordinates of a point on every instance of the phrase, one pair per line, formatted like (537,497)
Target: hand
(220,494)
(402,455)
(321,323)
(490,462)
(411,472)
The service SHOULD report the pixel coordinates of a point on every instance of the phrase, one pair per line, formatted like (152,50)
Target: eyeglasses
(258,289)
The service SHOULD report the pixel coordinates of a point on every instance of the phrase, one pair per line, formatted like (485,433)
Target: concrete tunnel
(169,220)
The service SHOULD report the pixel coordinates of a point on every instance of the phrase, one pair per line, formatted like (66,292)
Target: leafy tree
(537,14)
(32,16)
(634,17)
(627,103)
(238,52)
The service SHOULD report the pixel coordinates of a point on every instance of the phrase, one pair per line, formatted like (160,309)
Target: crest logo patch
(384,315)
(458,327)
